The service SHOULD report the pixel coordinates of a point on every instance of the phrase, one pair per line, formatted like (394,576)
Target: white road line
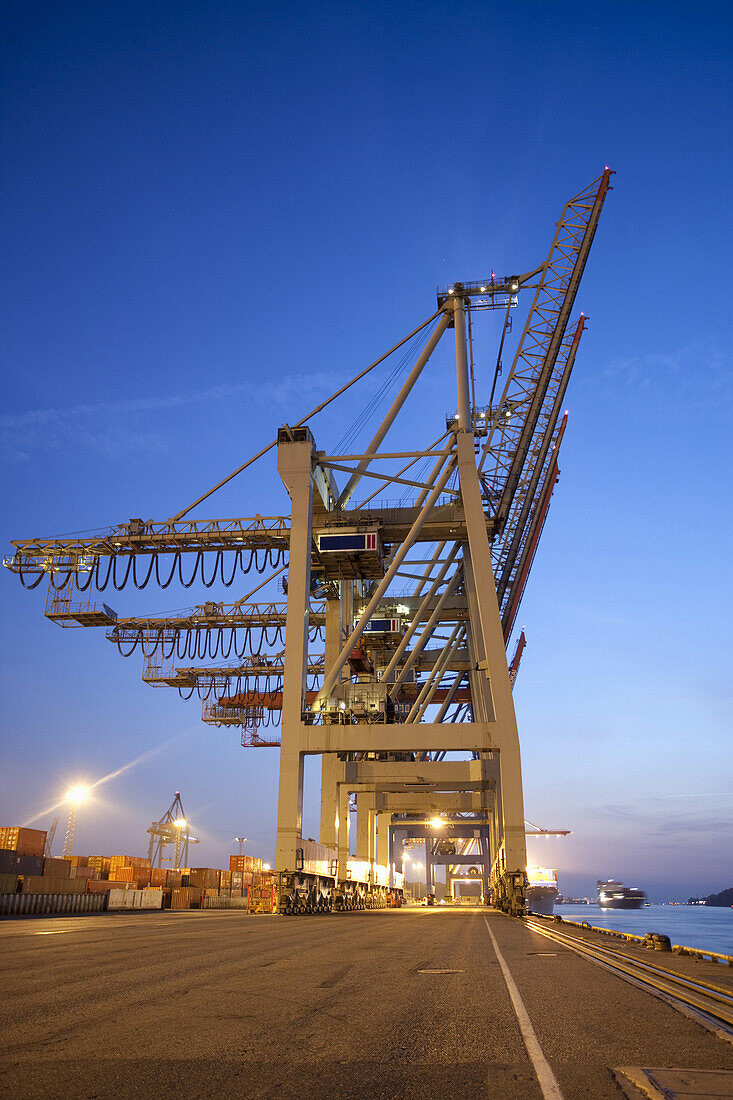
(545,1076)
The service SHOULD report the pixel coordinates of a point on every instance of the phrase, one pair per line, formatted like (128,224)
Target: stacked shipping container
(23,870)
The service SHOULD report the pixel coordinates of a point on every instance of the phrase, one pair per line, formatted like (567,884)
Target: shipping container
(152,898)
(81,870)
(186,897)
(27,842)
(205,877)
(38,884)
(126,861)
(99,863)
(225,880)
(236,880)
(125,899)
(123,874)
(102,886)
(173,879)
(57,868)
(245,863)
(211,892)
(24,865)
(224,903)
(158,876)
(8,884)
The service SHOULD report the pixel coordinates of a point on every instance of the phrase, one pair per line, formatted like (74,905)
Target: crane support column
(462,385)
(294,459)
(510,862)
(331,769)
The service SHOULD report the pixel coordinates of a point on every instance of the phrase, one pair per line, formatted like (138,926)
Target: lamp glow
(437,822)
(77,794)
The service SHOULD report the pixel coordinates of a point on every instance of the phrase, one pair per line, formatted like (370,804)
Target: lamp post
(74,797)
(240,841)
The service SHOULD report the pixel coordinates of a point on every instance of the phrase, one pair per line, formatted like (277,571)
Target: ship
(614,895)
(541,892)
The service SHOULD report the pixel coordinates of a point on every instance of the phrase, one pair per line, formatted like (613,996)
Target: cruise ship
(614,895)
(542,891)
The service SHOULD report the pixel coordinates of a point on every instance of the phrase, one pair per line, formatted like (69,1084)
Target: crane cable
(301,422)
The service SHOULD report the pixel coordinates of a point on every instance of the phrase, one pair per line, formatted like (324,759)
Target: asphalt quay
(391,1003)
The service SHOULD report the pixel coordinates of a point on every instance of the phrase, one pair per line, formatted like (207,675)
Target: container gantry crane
(171,831)
(388,655)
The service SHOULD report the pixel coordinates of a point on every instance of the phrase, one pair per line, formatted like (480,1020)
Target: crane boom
(522,564)
(513,428)
(508,546)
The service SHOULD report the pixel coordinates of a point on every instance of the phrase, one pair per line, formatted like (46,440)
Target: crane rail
(712,1003)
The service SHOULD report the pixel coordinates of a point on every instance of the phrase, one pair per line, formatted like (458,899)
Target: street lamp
(74,797)
(240,841)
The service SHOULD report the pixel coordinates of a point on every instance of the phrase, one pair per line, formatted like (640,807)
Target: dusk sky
(214,214)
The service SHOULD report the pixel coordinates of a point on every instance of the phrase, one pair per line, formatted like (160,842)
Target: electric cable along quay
(388,656)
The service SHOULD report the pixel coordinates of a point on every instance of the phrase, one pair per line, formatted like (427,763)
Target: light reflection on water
(703,926)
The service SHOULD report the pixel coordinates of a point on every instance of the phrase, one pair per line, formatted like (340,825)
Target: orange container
(205,877)
(126,861)
(186,897)
(158,876)
(245,863)
(99,863)
(99,886)
(26,842)
(123,874)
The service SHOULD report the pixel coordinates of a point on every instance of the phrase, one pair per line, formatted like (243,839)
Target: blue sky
(215,213)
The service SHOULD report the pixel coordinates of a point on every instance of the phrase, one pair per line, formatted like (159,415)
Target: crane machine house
(388,656)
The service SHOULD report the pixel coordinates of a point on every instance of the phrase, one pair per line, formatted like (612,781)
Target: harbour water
(706,927)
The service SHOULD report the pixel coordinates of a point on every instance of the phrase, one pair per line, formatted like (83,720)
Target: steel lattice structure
(388,654)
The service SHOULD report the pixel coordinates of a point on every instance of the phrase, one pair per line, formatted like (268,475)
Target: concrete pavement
(395,1003)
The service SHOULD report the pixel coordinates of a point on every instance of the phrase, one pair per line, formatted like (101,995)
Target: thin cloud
(696,369)
(107,427)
